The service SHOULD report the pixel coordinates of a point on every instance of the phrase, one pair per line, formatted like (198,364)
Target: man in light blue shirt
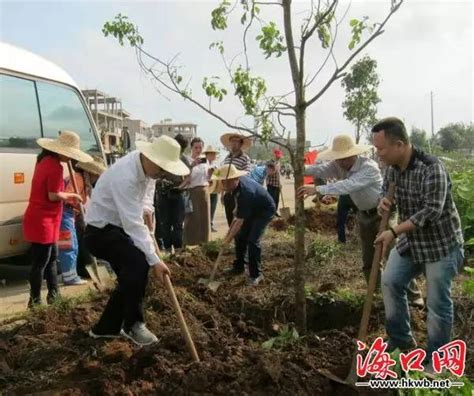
(361,178)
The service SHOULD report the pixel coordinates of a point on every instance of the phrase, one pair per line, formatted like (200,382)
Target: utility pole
(432,117)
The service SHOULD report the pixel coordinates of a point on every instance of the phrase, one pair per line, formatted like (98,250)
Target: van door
(20,126)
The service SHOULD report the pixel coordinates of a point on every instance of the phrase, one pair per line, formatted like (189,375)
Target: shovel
(182,322)
(284,211)
(211,283)
(364,322)
(91,268)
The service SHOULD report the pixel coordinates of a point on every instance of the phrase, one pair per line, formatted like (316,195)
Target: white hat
(343,146)
(164,152)
(210,149)
(68,143)
(246,139)
(96,167)
(226,172)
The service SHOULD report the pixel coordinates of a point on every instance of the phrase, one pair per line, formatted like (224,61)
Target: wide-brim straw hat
(96,167)
(343,146)
(226,172)
(246,139)
(68,143)
(210,149)
(164,152)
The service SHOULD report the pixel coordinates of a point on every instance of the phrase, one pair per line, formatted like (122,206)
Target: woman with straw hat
(42,218)
(73,256)
(116,232)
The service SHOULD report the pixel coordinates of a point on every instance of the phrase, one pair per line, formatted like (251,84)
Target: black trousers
(275,194)
(344,206)
(43,266)
(125,306)
(229,206)
(214,198)
(248,238)
(169,220)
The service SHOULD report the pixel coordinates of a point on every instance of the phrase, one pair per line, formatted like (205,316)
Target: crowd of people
(158,191)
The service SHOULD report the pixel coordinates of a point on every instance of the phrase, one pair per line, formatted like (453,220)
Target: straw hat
(225,139)
(210,149)
(164,152)
(226,172)
(68,144)
(96,167)
(343,146)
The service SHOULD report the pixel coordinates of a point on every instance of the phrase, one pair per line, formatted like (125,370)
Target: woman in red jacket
(43,215)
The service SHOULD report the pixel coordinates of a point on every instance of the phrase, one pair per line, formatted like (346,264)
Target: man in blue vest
(254,208)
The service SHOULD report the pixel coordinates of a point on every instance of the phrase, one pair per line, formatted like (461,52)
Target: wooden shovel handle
(374,271)
(182,323)
(74,186)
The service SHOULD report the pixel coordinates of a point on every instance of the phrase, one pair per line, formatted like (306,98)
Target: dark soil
(52,354)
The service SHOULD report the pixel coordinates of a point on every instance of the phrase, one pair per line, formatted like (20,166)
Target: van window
(19,115)
(62,109)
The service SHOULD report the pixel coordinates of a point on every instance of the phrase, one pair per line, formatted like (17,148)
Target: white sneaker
(139,334)
(255,281)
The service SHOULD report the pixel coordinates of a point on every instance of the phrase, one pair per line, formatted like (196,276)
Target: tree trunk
(357,132)
(297,74)
(299,263)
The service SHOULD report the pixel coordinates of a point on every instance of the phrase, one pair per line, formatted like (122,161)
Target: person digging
(254,208)
(116,233)
(360,178)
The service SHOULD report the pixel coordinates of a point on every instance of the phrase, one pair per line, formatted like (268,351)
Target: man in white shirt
(361,178)
(116,232)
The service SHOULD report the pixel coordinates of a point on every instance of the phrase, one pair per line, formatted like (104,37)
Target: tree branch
(338,72)
(290,45)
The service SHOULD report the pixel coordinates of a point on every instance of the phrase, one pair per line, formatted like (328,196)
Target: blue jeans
(248,240)
(400,270)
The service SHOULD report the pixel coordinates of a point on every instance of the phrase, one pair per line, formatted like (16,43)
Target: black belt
(369,212)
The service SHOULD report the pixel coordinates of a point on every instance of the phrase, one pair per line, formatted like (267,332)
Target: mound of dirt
(52,352)
(316,220)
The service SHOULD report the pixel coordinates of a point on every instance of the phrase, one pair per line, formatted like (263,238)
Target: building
(109,116)
(169,128)
(138,130)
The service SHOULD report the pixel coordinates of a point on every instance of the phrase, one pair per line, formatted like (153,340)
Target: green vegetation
(463,193)
(468,284)
(322,251)
(286,335)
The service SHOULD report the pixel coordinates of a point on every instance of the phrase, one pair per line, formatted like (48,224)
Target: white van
(37,99)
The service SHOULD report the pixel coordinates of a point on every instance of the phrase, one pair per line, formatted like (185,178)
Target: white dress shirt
(120,197)
(363,182)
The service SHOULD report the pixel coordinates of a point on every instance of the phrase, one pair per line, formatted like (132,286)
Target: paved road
(14,284)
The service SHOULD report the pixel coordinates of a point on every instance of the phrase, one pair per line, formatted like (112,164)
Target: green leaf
(269,343)
(354,22)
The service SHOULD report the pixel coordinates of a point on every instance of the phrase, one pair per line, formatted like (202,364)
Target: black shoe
(417,303)
(403,346)
(52,296)
(232,271)
(34,302)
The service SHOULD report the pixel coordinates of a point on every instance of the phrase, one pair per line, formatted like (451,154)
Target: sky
(427,46)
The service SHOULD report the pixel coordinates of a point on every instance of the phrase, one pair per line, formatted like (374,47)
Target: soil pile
(52,353)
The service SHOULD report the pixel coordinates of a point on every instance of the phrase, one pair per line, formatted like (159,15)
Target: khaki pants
(369,227)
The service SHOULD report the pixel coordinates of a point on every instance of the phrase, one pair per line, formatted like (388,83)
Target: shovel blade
(285,213)
(214,285)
